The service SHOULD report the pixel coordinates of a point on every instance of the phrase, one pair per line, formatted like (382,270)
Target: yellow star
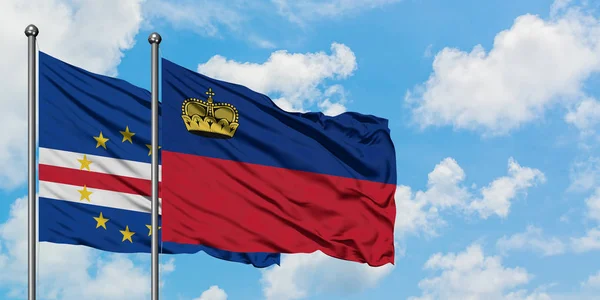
(150,149)
(101,140)
(127,234)
(150,229)
(85,163)
(101,221)
(85,194)
(127,135)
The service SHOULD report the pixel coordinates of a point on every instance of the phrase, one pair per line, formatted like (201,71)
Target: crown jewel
(206,118)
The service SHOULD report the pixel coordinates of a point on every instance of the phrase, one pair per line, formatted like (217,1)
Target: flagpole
(154,39)
(31,32)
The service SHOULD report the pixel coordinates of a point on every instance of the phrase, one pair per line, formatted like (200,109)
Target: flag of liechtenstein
(94,165)
(241,174)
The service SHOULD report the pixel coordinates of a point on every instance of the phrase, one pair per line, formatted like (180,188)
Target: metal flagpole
(154,39)
(31,32)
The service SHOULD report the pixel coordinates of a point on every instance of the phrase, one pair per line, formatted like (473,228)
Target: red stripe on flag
(245,207)
(95,180)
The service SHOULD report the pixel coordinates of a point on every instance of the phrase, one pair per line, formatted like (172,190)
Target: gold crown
(205,118)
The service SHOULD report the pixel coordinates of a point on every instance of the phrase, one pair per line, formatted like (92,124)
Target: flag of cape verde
(243,175)
(94,165)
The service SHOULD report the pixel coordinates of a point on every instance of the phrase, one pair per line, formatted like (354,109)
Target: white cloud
(586,116)
(588,291)
(335,99)
(114,276)
(445,190)
(303,274)
(585,174)
(443,185)
(213,293)
(589,242)
(532,239)
(301,11)
(331,109)
(472,275)
(215,19)
(496,197)
(420,212)
(261,42)
(532,66)
(428,51)
(559,6)
(525,295)
(118,278)
(593,282)
(167,267)
(296,79)
(415,214)
(73,31)
(201,16)
(593,206)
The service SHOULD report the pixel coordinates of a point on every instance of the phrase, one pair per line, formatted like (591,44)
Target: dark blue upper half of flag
(350,145)
(76,105)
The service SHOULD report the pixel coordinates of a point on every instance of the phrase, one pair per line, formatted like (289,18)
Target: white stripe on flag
(67,192)
(100,164)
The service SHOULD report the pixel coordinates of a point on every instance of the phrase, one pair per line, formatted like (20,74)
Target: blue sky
(493,112)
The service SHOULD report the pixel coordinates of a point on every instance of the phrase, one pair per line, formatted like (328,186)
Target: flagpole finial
(31,30)
(154,38)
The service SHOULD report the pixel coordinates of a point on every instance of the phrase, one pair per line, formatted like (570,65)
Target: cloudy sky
(493,110)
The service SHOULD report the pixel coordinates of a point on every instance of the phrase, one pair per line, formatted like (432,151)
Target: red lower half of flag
(245,207)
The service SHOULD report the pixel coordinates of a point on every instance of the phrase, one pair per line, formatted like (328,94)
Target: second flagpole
(31,32)
(154,39)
